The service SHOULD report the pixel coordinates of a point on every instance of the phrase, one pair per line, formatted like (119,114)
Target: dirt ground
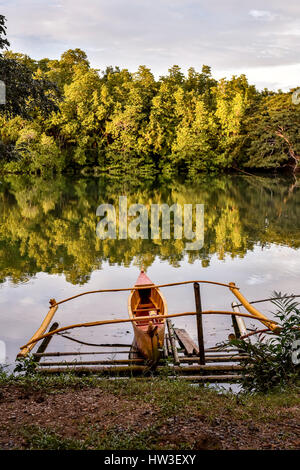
(94,418)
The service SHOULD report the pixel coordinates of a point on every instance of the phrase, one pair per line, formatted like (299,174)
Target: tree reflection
(50,225)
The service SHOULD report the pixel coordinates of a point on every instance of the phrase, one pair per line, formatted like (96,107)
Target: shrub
(271,362)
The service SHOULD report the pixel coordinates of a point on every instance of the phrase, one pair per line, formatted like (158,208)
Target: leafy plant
(26,365)
(270,361)
(38,438)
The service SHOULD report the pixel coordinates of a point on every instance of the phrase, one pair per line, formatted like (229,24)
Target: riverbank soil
(150,414)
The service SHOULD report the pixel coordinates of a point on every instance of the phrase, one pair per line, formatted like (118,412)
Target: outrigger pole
(36,338)
(40,333)
(271,325)
(26,349)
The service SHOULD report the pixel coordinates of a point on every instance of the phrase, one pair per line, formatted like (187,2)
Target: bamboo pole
(141,288)
(129,370)
(39,334)
(113,362)
(252,310)
(130,320)
(195,359)
(183,359)
(211,378)
(208,368)
(227,378)
(78,353)
(187,378)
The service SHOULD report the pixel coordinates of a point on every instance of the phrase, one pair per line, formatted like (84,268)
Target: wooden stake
(199,323)
(238,321)
(45,343)
(168,344)
(172,341)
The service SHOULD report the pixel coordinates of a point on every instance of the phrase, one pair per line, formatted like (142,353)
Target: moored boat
(148,333)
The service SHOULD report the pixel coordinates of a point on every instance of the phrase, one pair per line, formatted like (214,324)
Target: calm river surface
(49,249)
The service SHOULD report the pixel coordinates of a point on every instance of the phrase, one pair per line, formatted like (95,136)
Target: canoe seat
(139,312)
(145,323)
(156,319)
(141,309)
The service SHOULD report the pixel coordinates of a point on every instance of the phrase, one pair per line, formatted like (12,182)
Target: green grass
(167,398)
(170,394)
(37,438)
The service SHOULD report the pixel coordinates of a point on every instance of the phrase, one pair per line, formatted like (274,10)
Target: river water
(49,249)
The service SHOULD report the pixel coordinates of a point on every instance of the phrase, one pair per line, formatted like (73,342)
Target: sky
(258,37)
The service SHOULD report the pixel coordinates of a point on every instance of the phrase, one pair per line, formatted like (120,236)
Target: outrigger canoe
(148,334)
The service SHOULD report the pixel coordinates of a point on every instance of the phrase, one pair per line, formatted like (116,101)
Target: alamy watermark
(2,92)
(139,222)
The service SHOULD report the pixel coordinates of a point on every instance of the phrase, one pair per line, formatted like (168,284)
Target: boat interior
(147,302)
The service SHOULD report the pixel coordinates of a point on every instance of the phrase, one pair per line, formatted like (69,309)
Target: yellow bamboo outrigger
(256,313)
(40,333)
(36,337)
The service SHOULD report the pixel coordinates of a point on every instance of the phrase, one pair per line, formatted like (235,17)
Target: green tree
(3,40)
(273,133)
(194,147)
(62,71)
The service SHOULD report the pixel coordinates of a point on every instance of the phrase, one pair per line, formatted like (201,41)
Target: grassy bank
(88,413)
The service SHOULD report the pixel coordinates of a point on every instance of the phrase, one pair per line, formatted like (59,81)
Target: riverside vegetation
(65,115)
(274,361)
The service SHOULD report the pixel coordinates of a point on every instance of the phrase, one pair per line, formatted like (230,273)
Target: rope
(270,299)
(255,332)
(93,344)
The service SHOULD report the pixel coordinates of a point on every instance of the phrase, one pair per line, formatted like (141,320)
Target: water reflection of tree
(50,225)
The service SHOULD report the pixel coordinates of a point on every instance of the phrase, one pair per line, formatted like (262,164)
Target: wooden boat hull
(148,334)
(149,346)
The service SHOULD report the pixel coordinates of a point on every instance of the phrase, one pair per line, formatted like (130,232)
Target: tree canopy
(64,115)
(27,95)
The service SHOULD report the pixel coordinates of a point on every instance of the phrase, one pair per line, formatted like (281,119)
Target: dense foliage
(64,114)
